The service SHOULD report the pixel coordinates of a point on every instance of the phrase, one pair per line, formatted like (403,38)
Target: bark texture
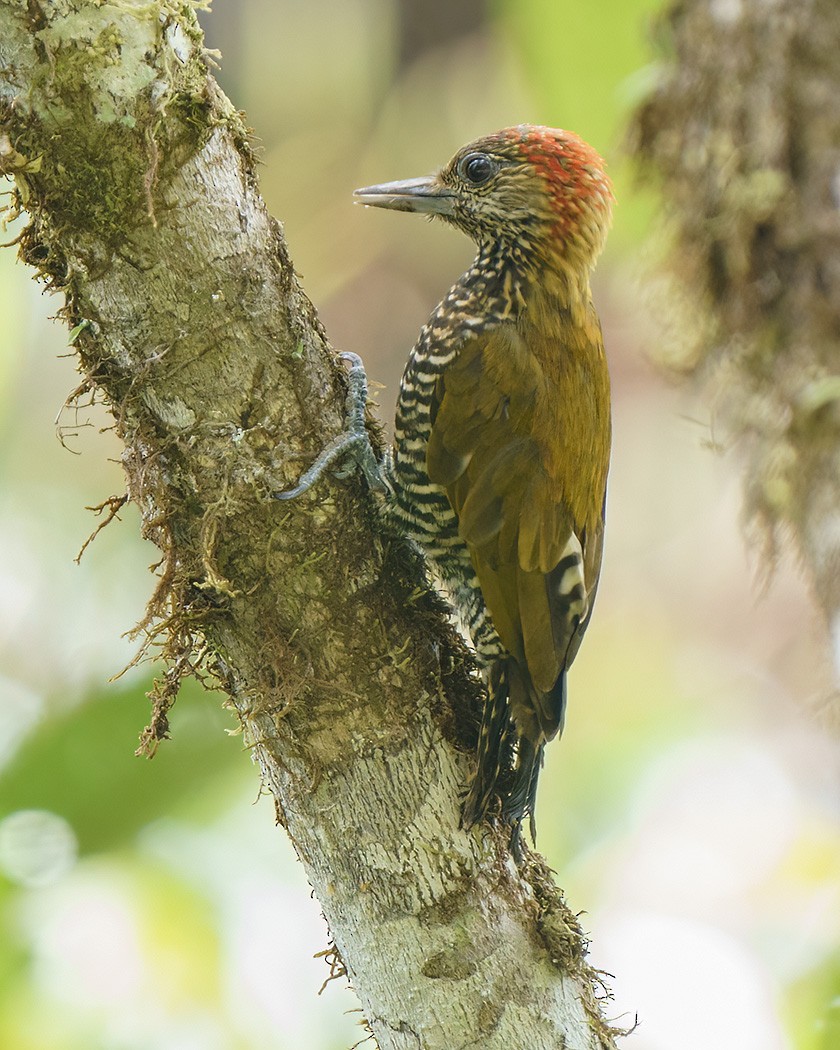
(743,130)
(351,685)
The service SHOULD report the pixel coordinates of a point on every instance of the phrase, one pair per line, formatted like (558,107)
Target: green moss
(92,179)
(119,100)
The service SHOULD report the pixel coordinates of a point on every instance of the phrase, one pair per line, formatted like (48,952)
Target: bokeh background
(691,811)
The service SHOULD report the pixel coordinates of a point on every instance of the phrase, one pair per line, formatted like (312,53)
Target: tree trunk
(352,687)
(744,131)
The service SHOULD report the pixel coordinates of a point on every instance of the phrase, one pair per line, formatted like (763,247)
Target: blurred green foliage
(584,60)
(81,765)
(588,66)
(813,1006)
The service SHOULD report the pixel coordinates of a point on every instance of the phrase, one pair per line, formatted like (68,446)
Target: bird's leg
(353,445)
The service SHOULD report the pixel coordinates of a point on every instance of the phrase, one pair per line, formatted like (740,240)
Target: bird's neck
(508,276)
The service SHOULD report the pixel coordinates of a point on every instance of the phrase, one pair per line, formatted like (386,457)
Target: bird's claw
(353,445)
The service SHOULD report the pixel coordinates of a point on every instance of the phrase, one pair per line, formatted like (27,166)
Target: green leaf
(77,331)
(81,765)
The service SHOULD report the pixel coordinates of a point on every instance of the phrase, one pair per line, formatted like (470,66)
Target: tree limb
(352,688)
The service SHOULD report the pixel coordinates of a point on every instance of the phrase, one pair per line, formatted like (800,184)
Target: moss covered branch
(352,688)
(744,133)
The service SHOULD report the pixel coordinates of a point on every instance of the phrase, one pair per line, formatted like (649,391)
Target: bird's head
(538,193)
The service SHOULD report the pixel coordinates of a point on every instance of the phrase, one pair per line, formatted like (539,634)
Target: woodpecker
(502,437)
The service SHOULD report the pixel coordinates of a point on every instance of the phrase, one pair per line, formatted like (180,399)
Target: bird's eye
(477,168)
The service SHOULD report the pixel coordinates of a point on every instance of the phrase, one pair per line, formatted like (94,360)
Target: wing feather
(535,565)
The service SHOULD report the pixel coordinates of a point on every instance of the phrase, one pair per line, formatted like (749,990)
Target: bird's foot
(353,446)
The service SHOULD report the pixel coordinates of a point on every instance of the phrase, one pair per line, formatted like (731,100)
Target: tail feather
(514,728)
(520,800)
(495,742)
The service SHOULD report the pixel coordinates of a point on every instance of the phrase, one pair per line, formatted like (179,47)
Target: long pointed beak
(425,195)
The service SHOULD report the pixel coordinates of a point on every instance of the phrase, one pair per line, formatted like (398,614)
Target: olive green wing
(536,571)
